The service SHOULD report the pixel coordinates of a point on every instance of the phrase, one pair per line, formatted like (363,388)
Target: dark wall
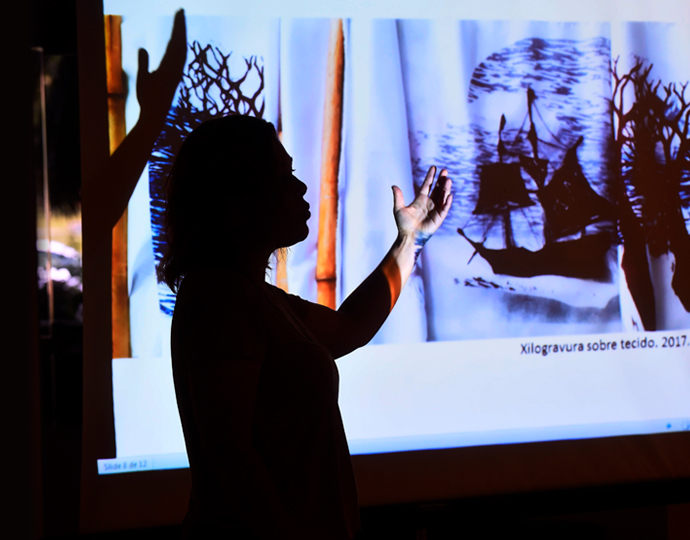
(21,437)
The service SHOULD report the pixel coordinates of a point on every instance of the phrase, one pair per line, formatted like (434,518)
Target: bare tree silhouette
(634,263)
(674,136)
(652,154)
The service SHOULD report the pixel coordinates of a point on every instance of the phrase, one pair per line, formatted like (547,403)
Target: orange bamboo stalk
(330,162)
(122,347)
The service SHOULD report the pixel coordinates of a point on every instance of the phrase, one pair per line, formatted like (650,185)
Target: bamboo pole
(117,92)
(330,162)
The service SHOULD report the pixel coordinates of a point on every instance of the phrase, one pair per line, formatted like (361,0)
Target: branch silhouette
(652,153)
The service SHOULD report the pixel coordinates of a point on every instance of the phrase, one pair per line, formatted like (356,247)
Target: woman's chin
(296,237)
(303,235)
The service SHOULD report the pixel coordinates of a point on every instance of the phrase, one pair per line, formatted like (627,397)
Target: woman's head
(227,194)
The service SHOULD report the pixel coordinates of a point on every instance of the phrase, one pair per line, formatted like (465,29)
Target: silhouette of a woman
(254,369)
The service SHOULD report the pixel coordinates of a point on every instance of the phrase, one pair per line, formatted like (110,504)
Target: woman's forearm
(383,286)
(364,311)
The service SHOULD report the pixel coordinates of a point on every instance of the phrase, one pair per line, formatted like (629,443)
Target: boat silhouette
(569,203)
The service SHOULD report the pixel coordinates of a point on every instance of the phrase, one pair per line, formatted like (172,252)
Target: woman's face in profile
(289,224)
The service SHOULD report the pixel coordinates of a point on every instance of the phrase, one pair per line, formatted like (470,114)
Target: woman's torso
(296,429)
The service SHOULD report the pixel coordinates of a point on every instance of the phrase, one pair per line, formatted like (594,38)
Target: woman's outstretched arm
(118,175)
(365,310)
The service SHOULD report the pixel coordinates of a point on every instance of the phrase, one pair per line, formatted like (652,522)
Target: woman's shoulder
(229,291)
(216,282)
(212,303)
(219,290)
(299,305)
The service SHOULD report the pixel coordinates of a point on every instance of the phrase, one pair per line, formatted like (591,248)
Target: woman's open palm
(424,215)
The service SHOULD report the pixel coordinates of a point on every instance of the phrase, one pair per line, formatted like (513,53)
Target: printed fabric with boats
(577,221)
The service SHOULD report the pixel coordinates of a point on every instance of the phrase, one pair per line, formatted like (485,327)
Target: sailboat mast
(508,238)
(534,141)
(502,190)
(507,223)
(532,134)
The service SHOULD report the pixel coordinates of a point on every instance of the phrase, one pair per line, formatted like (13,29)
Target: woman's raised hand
(424,215)
(156,89)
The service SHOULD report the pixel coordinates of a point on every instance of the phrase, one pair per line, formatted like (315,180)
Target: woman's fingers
(398,199)
(446,206)
(425,189)
(432,197)
(441,189)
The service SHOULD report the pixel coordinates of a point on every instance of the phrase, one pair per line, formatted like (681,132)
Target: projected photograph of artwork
(569,161)
(565,248)
(534,209)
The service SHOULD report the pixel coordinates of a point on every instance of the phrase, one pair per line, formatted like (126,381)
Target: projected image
(535,209)
(560,213)
(568,146)
(570,188)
